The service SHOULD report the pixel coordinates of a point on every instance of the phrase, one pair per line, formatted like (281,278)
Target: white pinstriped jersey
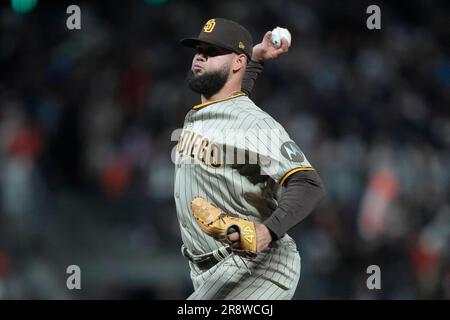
(216,137)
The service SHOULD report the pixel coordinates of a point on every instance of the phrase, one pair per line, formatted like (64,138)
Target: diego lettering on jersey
(195,146)
(198,147)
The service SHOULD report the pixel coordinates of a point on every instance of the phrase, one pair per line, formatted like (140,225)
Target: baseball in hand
(279,33)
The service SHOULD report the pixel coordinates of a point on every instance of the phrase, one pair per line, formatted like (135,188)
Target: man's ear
(239,62)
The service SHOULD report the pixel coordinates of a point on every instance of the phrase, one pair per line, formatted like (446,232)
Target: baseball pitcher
(240,183)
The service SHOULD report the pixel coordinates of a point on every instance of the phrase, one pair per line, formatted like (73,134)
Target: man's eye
(210,52)
(206,51)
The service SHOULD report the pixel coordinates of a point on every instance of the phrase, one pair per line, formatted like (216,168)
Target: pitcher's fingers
(233,237)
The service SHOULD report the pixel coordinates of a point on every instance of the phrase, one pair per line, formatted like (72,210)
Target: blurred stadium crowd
(86,119)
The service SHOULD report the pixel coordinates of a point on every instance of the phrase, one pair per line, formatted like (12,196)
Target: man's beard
(208,84)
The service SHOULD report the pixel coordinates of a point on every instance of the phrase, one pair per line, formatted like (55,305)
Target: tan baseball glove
(216,223)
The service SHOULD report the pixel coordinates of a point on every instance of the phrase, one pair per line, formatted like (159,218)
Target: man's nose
(200,57)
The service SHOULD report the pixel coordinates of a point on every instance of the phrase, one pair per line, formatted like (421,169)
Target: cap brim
(191,42)
(194,42)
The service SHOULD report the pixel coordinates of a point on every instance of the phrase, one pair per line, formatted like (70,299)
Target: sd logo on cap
(209,25)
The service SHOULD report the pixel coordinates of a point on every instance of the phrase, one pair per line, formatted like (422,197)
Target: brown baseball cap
(224,34)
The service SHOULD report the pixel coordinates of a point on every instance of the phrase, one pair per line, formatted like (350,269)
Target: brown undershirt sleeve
(252,72)
(303,192)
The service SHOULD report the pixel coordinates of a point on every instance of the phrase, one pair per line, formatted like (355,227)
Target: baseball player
(240,183)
